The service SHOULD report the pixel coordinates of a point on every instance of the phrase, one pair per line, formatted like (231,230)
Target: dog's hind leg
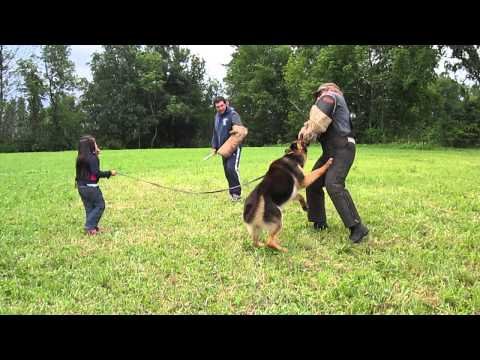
(302,202)
(254,232)
(272,241)
(273,224)
(256,237)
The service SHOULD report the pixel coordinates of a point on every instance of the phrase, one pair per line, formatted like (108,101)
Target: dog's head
(298,147)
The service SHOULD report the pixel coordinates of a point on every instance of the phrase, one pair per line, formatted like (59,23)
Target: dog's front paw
(328,163)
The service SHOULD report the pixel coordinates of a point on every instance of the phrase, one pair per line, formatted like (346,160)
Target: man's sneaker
(320,226)
(358,232)
(236,198)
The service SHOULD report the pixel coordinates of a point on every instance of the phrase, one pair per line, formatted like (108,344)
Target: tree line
(160,96)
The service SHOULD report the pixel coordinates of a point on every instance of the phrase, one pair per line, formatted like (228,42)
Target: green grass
(171,253)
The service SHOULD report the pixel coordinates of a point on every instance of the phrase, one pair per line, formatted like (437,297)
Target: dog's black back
(276,187)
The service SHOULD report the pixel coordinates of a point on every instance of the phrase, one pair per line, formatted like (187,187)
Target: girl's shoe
(235,198)
(92,232)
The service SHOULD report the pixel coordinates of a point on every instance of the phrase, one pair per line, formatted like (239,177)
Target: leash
(188,191)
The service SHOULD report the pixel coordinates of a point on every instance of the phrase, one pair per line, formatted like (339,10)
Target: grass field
(171,253)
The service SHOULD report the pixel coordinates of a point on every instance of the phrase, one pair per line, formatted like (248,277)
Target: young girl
(87,175)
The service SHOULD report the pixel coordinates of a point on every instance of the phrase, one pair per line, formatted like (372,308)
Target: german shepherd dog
(283,180)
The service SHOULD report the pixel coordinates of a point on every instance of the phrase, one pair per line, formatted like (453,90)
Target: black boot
(320,226)
(358,232)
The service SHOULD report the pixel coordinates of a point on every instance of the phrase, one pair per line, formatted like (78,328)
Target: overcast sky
(215,56)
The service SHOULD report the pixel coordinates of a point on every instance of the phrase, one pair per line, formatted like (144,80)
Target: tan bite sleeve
(317,124)
(238,135)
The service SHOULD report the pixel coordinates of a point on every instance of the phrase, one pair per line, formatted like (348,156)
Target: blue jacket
(223,125)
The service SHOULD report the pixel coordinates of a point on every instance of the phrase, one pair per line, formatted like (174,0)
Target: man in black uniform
(332,125)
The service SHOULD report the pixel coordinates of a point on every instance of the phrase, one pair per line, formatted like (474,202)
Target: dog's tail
(251,203)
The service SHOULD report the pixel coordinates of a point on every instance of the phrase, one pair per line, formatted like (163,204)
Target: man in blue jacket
(225,118)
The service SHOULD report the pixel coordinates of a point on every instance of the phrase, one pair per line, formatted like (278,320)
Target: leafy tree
(111,100)
(60,81)
(33,88)
(258,91)
(457,113)
(7,57)
(385,86)
(469,60)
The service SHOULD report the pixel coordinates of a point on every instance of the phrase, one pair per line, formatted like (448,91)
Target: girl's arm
(95,169)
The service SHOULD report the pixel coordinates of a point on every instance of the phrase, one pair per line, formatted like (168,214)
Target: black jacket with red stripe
(94,172)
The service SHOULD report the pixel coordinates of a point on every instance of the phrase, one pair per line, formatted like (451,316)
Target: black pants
(94,204)
(343,153)
(230,167)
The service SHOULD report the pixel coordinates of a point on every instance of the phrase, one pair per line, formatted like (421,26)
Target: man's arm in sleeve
(326,103)
(214,141)
(319,120)
(236,119)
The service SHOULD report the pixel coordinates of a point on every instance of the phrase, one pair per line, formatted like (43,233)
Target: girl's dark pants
(94,204)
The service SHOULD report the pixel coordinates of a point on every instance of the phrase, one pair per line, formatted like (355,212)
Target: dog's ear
(294,146)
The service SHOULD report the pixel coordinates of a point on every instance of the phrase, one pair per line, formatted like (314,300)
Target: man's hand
(306,134)
(114,172)
(301,134)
